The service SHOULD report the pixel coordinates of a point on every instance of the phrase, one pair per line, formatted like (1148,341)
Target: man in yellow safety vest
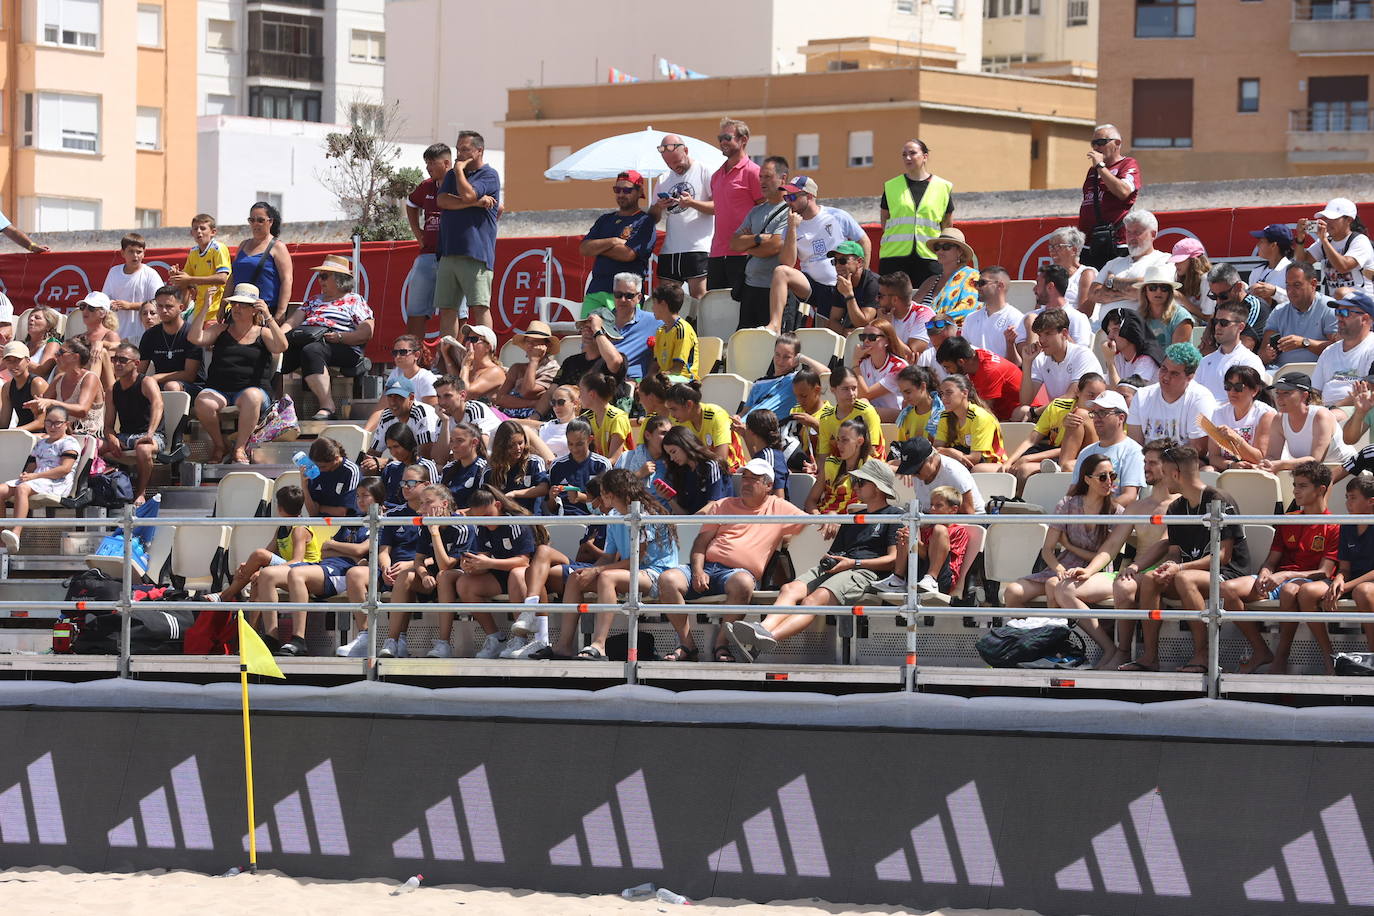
(915,206)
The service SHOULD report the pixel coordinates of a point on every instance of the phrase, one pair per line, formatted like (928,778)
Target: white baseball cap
(759,468)
(1110,400)
(1338,207)
(96,300)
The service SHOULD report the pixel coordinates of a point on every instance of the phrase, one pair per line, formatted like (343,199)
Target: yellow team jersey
(214,260)
(615,422)
(312,547)
(715,429)
(675,349)
(1051,422)
(830,421)
(839,492)
(976,431)
(913,425)
(806,435)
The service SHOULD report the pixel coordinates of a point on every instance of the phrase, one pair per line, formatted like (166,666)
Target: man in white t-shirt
(682,203)
(1230,320)
(988,327)
(1059,362)
(907,317)
(812,233)
(1051,283)
(1348,360)
(1345,256)
(129,285)
(1169,409)
(930,470)
(1116,281)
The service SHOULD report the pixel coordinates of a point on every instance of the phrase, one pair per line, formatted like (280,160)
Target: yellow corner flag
(253,653)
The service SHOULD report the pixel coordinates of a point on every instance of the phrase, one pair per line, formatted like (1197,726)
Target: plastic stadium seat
(569,346)
(1046,490)
(1009,551)
(198,555)
(287,479)
(1255,492)
(799,487)
(1021,295)
(995,483)
(1013,434)
(560,314)
(512,354)
(889,432)
(717,315)
(710,350)
(74,499)
(750,352)
(15,447)
(1305,368)
(807,548)
(726,389)
(851,346)
(244,539)
(242,494)
(1260,539)
(351,436)
(821,344)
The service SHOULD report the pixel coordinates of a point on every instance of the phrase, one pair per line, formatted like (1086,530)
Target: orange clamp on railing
(328,521)
(81,605)
(858,610)
(632,654)
(911,658)
(417,520)
(582,609)
(859,519)
(1156,614)
(1156,520)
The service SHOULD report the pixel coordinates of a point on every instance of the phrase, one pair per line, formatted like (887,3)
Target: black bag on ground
(111,490)
(617,647)
(92,585)
(152,631)
(1009,647)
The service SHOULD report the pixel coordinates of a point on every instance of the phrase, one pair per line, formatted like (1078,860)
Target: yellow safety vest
(909,224)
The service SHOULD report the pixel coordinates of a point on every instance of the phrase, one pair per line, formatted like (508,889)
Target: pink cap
(1185,249)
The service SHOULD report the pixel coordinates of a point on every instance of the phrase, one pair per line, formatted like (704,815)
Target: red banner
(59,279)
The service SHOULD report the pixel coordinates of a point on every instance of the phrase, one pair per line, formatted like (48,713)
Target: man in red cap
(622,240)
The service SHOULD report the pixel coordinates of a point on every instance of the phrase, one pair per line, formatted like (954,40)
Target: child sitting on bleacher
(610,576)
(514,470)
(806,387)
(833,491)
(844,384)
(53,473)
(1354,578)
(438,549)
(710,422)
(499,554)
(696,475)
(395,543)
(647,459)
(327,578)
(333,491)
(610,425)
(763,439)
(405,453)
(675,343)
(921,407)
(550,568)
(568,475)
(465,473)
(942,549)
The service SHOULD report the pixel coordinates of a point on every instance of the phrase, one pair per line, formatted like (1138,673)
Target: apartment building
(1240,88)
(97,115)
(1055,39)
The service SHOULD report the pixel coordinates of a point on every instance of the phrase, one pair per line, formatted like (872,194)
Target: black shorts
(944,578)
(726,271)
(824,299)
(1038,447)
(913,265)
(683,266)
(753,307)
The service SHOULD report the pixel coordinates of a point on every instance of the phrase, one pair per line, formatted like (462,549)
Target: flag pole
(248,764)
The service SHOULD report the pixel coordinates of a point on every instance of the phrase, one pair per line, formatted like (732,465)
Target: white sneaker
(528,649)
(928,584)
(492,647)
(401,649)
(356,648)
(893,583)
(513,645)
(440,650)
(526,625)
(388,649)
(10,540)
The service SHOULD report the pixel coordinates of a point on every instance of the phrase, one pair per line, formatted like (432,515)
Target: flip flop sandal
(682,654)
(723,654)
(590,654)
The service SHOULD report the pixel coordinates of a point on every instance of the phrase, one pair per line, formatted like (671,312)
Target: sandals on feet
(590,654)
(723,653)
(323,415)
(682,654)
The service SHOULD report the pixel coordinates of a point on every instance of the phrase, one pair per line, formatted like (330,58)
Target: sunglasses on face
(1224,322)
(627,295)
(1219,297)
(789,197)
(1102,414)
(725,138)
(1158,288)
(1344,312)
(402,352)
(1236,386)
(869,338)
(472,338)
(664,147)
(1105,476)
(840,260)
(1103,141)
(120,360)
(407,484)
(937,325)
(629,190)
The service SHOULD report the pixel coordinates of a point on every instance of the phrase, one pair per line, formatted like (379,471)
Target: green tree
(362,173)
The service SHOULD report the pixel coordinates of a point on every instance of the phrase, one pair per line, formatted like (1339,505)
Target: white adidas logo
(155,821)
(601,839)
(439,838)
(931,852)
(43,803)
(761,845)
(1304,876)
(327,837)
(1115,862)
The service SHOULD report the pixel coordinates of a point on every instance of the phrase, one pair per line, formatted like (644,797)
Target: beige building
(1240,88)
(844,127)
(99,113)
(1056,39)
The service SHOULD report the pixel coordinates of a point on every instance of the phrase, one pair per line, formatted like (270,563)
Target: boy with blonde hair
(207,269)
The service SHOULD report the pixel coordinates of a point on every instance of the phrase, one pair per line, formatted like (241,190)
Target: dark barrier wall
(1059,825)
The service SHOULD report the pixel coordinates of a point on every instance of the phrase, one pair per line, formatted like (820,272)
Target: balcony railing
(1332,10)
(1334,117)
(1325,27)
(285,66)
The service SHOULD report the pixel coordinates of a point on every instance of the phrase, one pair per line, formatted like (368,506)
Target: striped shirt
(342,314)
(423,422)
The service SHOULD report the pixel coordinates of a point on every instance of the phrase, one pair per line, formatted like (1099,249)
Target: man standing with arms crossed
(735,189)
(915,206)
(682,199)
(469,197)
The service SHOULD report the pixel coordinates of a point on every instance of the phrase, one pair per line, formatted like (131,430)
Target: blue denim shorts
(419,288)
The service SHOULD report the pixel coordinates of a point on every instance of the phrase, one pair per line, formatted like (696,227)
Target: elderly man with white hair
(682,200)
(1116,282)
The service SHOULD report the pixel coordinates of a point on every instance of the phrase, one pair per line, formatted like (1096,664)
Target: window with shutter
(1162,114)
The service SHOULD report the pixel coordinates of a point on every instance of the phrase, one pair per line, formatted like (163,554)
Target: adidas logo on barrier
(602,840)
(155,815)
(1115,860)
(44,806)
(934,863)
(1305,877)
(439,838)
(321,795)
(761,845)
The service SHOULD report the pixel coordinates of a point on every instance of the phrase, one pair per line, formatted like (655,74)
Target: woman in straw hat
(1162,307)
(953,291)
(524,393)
(329,330)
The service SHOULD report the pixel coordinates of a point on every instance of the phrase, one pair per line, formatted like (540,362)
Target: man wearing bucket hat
(860,555)
(621,240)
(329,330)
(1338,244)
(812,232)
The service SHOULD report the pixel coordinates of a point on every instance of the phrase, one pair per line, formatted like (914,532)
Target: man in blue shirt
(470,198)
(635,325)
(623,239)
(1109,411)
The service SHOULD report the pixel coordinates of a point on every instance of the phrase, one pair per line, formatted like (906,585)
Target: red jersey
(1097,197)
(423,199)
(1305,546)
(998,382)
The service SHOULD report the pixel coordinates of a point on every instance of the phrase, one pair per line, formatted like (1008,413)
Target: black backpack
(92,585)
(111,490)
(1047,646)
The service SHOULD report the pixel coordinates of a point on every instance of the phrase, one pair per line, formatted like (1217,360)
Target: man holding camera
(682,199)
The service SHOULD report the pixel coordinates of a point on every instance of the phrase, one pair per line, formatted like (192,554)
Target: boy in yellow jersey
(675,344)
(844,384)
(1062,431)
(806,387)
(207,268)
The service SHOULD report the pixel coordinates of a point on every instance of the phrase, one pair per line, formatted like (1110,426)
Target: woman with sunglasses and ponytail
(878,367)
(1164,311)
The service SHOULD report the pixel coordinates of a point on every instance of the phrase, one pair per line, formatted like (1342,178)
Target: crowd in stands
(1139,376)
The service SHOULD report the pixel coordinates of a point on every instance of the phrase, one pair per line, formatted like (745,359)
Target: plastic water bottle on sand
(668,896)
(411,883)
(640,890)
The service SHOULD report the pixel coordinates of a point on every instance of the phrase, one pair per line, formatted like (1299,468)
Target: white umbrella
(639,151)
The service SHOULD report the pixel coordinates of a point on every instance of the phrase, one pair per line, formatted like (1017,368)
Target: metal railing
(1331,117)
(633,607)
(1332,10)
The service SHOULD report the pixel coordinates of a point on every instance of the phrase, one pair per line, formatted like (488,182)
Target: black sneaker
(294,648)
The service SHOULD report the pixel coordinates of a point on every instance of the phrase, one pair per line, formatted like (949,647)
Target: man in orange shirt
(729,558)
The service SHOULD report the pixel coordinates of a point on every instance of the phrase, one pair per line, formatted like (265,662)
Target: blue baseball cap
(1274,232)
(402,386)
(1361,301)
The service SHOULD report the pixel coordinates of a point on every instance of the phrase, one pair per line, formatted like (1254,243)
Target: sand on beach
(70,892)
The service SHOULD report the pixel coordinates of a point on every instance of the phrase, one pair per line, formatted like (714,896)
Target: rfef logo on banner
(522,282)
(63,288)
